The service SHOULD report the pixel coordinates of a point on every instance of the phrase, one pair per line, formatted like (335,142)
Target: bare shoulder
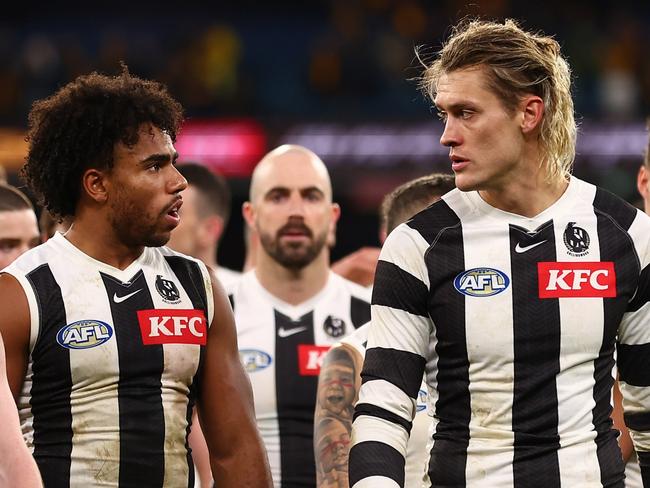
(13,303)
(15,329)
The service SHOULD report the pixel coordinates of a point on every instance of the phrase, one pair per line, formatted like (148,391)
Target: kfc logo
(172,327)
(577,279)
(310,359)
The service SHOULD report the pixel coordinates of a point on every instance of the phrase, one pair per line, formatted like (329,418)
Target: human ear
(532,109)
(94,185)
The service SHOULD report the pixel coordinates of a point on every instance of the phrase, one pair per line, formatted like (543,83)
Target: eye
(7,246)
(466,114)
(313,196)
(275,197)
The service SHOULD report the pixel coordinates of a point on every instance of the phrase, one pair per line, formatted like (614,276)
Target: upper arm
(15,330)
(225,399)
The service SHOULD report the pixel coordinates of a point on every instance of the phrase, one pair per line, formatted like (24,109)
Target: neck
(526,193)
(94,237)
(289,285)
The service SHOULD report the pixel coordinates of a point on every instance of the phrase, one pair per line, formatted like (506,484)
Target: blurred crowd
(342,59)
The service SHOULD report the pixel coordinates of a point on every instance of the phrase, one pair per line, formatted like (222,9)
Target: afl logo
(481,282)
(84,334)
(254,360)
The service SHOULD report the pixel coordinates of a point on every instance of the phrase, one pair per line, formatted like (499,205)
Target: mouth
(295,232)
(458,162)
(172,212)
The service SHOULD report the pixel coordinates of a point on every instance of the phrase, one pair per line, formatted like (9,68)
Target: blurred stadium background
(336,76)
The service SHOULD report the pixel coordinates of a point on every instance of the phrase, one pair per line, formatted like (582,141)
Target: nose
(450,136)
(296,204)
(178,181)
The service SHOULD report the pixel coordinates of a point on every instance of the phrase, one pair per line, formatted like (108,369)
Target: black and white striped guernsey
(282,347)
(515,321)
(109,390)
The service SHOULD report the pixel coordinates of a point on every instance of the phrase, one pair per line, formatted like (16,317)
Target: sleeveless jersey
(282,347)
(109,390)
(417,453)
(515,321)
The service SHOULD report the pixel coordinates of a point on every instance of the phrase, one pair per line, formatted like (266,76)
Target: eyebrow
(159,158)
(285,189)
(455,106)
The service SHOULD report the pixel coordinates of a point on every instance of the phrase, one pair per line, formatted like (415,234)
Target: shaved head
(291,208)
(289,156)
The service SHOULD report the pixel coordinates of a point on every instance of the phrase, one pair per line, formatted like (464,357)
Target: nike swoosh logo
(117,299)
(520,249)
(282,332)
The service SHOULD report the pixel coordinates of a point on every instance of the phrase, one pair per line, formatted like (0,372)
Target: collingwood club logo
(333,326)
(167,290)
(576,239)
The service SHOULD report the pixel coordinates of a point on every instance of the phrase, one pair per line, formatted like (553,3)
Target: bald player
(291,307)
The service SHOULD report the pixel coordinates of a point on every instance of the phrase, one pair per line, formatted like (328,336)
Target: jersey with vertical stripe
(109,390)
(416,453)
(282,347)
(515,321)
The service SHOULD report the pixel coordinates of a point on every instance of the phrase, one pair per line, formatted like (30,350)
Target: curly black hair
(78,127)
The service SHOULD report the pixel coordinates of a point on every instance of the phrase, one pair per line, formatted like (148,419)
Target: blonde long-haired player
(512,292)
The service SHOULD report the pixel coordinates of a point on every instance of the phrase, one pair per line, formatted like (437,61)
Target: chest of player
(568,280)
(266,337)
(282,350)
(98,332)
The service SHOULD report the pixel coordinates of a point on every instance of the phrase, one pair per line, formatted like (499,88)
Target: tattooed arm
(338,388)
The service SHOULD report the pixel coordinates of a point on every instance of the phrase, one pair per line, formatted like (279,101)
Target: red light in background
(230,147)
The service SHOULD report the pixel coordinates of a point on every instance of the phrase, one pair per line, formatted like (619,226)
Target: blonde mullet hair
(518,63)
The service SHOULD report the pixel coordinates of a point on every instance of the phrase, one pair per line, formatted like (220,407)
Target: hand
(359,266)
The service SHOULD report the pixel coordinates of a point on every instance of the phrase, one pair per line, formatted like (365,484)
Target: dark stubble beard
(131,227)
(293,256)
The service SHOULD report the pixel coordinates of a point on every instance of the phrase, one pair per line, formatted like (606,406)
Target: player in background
(18,234)
(18,226)
(111,338)
(291,307)
(204,217)
(512,292)
(632,470)
(339,379)
(203,220)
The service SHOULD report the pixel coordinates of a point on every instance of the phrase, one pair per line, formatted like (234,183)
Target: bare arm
(17,467)
(624,440)
(237,456)
(338,390)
